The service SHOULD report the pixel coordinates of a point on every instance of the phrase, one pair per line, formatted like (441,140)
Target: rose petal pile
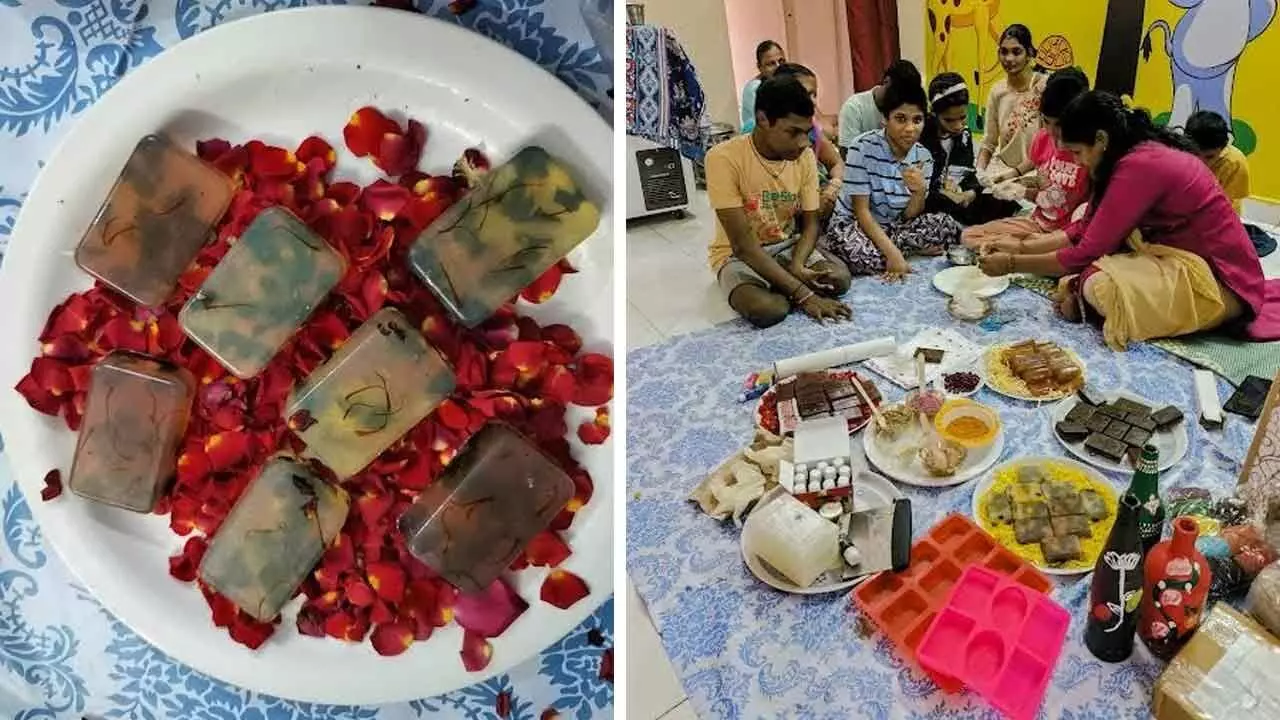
(509,368)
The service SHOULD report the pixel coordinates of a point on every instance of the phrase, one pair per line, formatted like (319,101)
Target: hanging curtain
(665,102)
(873,39)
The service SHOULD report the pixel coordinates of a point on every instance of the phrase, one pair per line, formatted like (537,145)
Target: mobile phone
(1248,399)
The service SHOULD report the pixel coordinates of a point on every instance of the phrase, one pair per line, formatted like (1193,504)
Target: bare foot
(1067,303)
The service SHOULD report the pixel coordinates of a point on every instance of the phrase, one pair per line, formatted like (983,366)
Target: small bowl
(961,255)
(960,408)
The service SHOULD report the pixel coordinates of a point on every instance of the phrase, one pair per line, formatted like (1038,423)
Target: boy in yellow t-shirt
(764,189)
(1208,131)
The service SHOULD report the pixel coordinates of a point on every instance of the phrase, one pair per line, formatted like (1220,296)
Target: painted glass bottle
(1117,587)
(1174,591)
(1145,486)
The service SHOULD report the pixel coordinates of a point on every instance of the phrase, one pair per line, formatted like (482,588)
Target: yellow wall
(1256,97)
(703,31)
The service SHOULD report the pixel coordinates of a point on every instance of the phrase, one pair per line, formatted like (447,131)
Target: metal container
(961,255)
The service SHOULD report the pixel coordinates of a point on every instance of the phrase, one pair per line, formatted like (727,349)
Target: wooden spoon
(881,423)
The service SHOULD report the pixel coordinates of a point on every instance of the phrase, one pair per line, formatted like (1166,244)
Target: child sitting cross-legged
(1208,131)
(1061,183)
(880,218)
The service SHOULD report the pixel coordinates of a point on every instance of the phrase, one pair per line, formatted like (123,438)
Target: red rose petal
(226,449)
(476,652)
(52,485)
(210,150)
(541,290)
(310,622)
(385,200)
(547,549)
(489,612)
(272,163)
(562,589)
(71,317)
(596,431)
(345,626)
(458,7)
(364,130)
(564,337)
(606,665)
(317,148)
(452,415)
(251,633)
(392,638)
(387,579)
(559,385)
(183,566)
(373,507)
(359,593)
(595,380)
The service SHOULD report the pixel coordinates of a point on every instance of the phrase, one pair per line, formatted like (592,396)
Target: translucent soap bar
(155,220)
(496,494)
(522,218)
(377,386)
(273,537)
(794,539)
(134,419)
(261,292)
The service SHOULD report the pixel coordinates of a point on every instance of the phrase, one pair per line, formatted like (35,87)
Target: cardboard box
(1226,670)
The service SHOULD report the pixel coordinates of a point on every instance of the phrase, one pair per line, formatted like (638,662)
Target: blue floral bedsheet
(61,654)
(743,650)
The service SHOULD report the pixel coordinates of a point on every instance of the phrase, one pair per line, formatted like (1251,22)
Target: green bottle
(1145,486)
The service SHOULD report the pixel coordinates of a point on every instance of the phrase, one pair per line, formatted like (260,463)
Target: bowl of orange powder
(968,423)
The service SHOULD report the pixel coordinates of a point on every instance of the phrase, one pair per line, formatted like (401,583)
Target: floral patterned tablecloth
(743,650)
(61,654)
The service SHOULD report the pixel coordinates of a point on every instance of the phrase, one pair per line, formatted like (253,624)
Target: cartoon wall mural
(1204,48)
(1172,56)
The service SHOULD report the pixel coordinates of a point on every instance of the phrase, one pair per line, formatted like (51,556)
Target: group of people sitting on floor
(1141,223)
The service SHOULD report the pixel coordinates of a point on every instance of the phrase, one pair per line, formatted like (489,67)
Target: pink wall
(811,31)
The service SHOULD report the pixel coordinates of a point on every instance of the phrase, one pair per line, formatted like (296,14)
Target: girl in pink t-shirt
(1063,184)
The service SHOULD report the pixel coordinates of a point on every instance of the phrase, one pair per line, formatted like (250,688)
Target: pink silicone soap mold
(999,637)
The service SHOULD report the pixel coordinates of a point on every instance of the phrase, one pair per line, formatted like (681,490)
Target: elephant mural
(1204,48)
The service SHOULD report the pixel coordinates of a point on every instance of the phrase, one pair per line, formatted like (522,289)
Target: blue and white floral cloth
(61,654)
(744,650)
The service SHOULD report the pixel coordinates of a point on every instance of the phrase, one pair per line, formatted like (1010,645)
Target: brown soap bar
(1077,525)
(932,356)
(135,416)
(1129,406)
(1060,548)
(1091,396)
(1098,422)
(1071,432)
(521,219)
(1166,417)
(1109,448)
(1117,429)
(485,507)
(1093,505)
(1141,420)
(1080,413)
(1112,411)
(154,221)
(1031,530)
(1066,505)
(273,537)
(1137,437)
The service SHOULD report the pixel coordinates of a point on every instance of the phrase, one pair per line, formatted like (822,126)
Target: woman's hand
(827,200)
(823,309)
(914,178)
(1004,245)
(896,268)
(996,264)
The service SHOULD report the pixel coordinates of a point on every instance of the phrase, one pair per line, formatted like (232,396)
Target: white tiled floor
(665,255)
(670,291)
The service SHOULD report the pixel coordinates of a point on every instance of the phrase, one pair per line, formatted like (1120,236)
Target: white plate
(296,73)
(986,377)
(985,484)
(888,461)
(1172,444)
(873,491)
(951,280)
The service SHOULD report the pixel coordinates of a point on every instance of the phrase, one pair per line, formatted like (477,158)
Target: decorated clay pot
(1174,591)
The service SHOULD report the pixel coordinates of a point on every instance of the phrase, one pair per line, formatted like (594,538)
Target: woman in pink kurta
(1194,267)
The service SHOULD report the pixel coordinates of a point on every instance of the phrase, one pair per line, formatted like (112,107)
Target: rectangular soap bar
(496,494)
(374,389)
(154,221)
(273,537)
(134,419)
(520,220)
(261,292)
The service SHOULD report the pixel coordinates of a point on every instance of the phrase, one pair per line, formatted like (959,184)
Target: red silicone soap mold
(998,637)
(903,605)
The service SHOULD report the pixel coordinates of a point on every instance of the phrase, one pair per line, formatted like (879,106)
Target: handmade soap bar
(134,418)
(377,386)
(522,218)
(154,221)
(793,539)
(498,493)
(261,292)
(273,537)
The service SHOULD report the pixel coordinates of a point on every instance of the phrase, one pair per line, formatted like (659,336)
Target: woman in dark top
(954,187)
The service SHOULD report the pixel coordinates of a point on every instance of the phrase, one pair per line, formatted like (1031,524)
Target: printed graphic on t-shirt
(1061,177)
(771,214)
